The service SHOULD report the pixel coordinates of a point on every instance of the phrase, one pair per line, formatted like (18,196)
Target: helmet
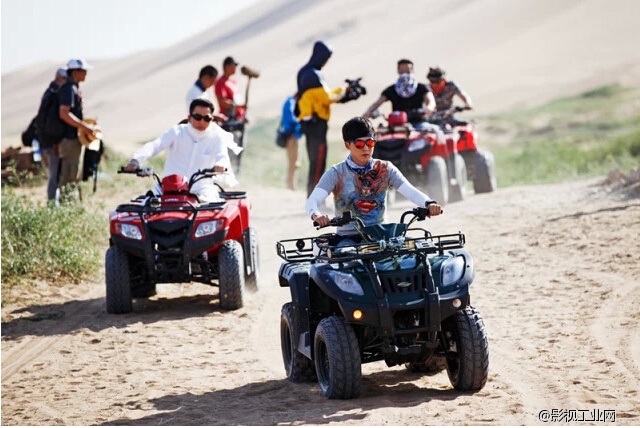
(435,73)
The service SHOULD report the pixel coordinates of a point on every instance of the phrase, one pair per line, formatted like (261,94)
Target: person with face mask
(444,90)
(195,145)
(407,95)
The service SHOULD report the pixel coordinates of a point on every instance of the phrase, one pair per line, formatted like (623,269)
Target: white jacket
(190,150)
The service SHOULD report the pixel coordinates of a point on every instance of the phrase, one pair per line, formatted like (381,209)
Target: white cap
(81,64)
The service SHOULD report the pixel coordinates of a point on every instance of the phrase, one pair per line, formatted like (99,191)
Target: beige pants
(70,151)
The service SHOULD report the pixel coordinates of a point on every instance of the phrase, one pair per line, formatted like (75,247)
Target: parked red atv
(173,238)
(426,156)
(479,163)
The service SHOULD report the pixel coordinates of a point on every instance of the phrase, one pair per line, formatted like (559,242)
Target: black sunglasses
(199,117)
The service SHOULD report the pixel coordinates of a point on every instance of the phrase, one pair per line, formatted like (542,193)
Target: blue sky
(56,30)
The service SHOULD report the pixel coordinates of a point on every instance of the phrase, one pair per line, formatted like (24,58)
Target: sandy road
(557,283)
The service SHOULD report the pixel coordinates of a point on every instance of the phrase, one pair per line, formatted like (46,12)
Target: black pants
(315,131)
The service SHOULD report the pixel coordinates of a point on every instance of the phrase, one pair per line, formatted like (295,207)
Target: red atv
(425,155)
(479,163)
(173,238)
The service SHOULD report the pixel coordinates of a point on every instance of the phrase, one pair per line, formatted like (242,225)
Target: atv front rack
(147,208)
(328,247)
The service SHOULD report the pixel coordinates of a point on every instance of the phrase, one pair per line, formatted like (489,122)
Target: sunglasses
(361,142)
(199,117)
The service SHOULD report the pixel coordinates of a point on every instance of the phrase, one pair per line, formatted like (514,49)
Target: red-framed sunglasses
(361,142)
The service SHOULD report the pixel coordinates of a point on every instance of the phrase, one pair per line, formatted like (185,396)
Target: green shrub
(552,161)
(48,243)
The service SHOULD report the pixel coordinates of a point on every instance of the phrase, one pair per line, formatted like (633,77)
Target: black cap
(435,73)
(228,61)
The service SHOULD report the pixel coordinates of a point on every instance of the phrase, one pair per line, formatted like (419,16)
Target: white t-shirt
(197,92)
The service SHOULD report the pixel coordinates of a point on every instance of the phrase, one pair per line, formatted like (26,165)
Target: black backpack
(30,133)
(50,127)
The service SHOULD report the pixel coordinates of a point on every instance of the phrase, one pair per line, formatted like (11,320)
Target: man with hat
(225,90)
(71,114)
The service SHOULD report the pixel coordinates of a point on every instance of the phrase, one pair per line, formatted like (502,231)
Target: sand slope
(503,53)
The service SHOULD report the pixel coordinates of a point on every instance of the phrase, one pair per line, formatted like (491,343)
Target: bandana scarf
(357,169)
(406,85)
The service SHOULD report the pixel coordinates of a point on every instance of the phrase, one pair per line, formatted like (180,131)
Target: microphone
(250,72)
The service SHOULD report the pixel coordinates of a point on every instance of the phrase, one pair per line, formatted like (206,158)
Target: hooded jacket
(314,96)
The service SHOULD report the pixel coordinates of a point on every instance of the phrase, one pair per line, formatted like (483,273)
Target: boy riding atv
(376,291)
(360,182)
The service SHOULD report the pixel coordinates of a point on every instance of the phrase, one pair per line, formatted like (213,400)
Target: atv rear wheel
(298,367)
(458,182)
(484,180)
(468,353)
(231,272)
(117,281)
(251,259)
(337,359)
(437,180)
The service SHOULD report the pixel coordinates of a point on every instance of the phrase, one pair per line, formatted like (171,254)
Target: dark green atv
(389,293)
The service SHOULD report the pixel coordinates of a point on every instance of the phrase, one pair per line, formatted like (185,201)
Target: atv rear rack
(322,248)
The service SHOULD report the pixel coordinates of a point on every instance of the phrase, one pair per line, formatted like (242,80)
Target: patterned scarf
(406,85)
(357,169)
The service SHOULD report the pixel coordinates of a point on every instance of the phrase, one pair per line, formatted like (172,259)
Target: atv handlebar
(346,218)
(140,172)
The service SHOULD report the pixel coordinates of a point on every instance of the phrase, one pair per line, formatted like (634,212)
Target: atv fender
(296,277)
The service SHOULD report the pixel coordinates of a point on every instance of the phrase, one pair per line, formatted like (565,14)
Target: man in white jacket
(195,145)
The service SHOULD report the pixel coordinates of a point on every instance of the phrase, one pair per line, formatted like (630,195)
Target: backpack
(51,128)
(30,133)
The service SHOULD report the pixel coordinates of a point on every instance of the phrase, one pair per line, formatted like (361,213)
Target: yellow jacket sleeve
(317,101)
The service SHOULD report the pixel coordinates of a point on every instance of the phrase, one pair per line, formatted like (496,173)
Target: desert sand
(557,285)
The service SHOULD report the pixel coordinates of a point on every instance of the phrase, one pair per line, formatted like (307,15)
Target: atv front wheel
(484,180)
(457,182)
(251,259)
(118,281)
(231,270)
(468,351)
(298,367)
(437,180)
(337,358)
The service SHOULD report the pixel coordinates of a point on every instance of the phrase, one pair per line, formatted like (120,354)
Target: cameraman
(314,110)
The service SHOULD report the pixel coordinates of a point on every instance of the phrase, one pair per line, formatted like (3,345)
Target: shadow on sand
(276,402)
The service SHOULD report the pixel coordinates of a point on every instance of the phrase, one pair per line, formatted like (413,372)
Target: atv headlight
(452,271)
(416,145)
(208,228)
(346,282)
(130,231)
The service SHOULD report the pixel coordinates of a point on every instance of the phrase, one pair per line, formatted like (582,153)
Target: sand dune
(503,53)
